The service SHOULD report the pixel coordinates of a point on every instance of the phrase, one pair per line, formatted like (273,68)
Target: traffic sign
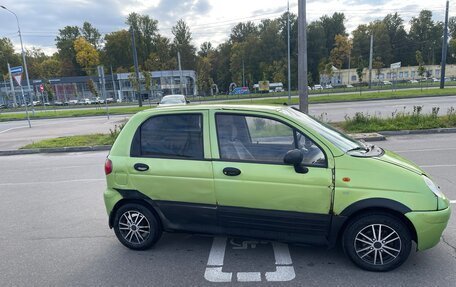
(18,78)
(396,65)
(16,70)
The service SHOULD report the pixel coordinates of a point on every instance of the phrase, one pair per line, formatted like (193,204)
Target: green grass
(72,141)
(79,141)
(71,113)
(355,97)
(400,121)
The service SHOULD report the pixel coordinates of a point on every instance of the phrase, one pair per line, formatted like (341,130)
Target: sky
(209,20)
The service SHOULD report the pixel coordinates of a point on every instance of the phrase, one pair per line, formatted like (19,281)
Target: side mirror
(295,157)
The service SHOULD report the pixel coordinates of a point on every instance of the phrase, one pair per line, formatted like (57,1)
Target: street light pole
(23,60)
(288,44)
(302,58)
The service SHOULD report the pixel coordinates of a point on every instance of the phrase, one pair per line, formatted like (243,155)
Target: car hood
(395,159)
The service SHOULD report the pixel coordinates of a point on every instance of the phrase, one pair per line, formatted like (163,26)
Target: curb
(368,137)
(418,132)
(54,150)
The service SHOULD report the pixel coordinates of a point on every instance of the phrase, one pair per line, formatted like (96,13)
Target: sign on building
(396,65)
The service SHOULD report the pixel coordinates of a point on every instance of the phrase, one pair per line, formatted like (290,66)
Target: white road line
(453,201)
(438,165)
(249,276)
(10,129)
(50,182)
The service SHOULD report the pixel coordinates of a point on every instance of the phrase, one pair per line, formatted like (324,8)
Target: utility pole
(102,80)
(288,43)
(114,85)
(370,60)
(23,97)
(23,59)
(243,72)
(444,48)
(302,58)
(349,62)
(180,73)
(135,61)
(13,92)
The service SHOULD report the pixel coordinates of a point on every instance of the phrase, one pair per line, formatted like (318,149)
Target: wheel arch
(375,205)
(142,202)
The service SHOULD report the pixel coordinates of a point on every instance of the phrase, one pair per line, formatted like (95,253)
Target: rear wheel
(136,226)
(377,242)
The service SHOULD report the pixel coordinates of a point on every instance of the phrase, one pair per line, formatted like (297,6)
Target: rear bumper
(429,226)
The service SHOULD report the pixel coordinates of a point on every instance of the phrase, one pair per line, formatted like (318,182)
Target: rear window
(172,136)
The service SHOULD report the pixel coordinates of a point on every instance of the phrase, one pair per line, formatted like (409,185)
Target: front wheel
(136,227)
(377,242)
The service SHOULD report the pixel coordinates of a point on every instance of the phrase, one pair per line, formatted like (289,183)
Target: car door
(257,194)
(170,164)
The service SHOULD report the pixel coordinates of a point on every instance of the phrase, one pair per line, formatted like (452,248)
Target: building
(117,86)
(349,76)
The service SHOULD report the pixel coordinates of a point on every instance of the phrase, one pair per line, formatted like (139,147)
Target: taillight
(108,166)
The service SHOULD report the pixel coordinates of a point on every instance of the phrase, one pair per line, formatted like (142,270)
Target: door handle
(231,171)
(141,167)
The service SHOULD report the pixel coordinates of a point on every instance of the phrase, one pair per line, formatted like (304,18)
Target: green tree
(117,50)
(332,26)
(360,69)
(7,55)
(242,31)
(205,49)
(91,34)
(182,43)
(86,55)
(425,35)
(146,31)
(161,58)
(377,65)
(65,47)
(35,56)
(400,43)
(204,79)
(50,68)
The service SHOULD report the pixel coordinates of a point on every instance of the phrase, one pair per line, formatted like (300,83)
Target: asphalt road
(54,233)
(14,135)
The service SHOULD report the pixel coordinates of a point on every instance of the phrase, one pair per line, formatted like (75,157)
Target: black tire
(130,226)
(377,255)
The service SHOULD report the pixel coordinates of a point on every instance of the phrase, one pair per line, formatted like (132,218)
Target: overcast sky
(209,20)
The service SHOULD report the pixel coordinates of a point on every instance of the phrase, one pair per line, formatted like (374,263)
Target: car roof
(257,108)
(174,96)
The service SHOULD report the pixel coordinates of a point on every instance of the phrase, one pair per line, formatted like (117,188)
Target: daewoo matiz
(272,173)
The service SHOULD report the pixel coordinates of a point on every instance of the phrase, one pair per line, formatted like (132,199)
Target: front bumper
(429,226)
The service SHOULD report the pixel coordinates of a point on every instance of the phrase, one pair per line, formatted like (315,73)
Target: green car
(272,173)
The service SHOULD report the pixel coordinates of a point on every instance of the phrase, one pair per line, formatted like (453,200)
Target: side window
(258,139)
(174,136)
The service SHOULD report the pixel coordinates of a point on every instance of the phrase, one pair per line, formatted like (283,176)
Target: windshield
(337,138)
(172,100)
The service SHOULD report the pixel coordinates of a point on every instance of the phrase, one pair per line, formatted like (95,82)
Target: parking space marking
(214,273)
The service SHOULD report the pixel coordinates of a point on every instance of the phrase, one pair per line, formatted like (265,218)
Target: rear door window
(173,136)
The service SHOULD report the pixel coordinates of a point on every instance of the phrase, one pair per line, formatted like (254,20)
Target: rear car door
(257,194)
(170,164)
